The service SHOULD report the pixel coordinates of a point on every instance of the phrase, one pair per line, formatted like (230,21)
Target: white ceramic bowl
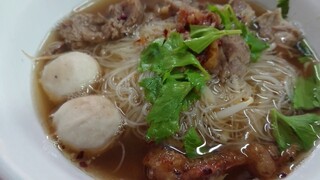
(25,152)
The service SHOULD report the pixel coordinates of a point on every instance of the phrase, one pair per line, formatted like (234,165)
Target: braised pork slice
(165,163)
(243,10)
(86,28)
(273,27)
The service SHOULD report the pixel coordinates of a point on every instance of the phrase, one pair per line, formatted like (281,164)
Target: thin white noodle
(229,111)
(123,155)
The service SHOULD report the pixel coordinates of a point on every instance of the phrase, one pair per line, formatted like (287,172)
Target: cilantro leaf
(151,87)
(151,57)
(227,15)
(196,79)
(176,84)
(158,131)
(306,93)
(256,45)
(307,89)
(175,43)
(164,114)
(301,129)
(203,36)
(309,56)
(192,97)
(163,58)
(191,142)
(282,133)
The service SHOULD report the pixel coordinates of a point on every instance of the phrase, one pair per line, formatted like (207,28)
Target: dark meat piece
(119,20)
(243,10)
(81,28)
(267,21)
(230,57)
(164,163)
(237,54)
(122,18)
(272,26)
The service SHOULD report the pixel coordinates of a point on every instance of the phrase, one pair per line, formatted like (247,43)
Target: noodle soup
(231,114)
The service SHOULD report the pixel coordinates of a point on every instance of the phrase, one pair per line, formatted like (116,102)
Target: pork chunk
(85,28)
(243,10)
(226,57)
(237,54)
(122,18)
(165,163)
(82,28)
(273,27)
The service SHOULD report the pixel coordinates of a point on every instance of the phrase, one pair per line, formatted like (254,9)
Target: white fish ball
(88,123)
(68,74)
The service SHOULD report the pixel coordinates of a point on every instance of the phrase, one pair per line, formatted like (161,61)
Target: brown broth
(103,166)
(132,168)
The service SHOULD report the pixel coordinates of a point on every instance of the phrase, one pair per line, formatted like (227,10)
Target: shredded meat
(85,28)
(243,10)
(164,163)
(273,27)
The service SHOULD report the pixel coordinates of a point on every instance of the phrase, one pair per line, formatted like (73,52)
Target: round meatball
(88,123)
(68,74)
